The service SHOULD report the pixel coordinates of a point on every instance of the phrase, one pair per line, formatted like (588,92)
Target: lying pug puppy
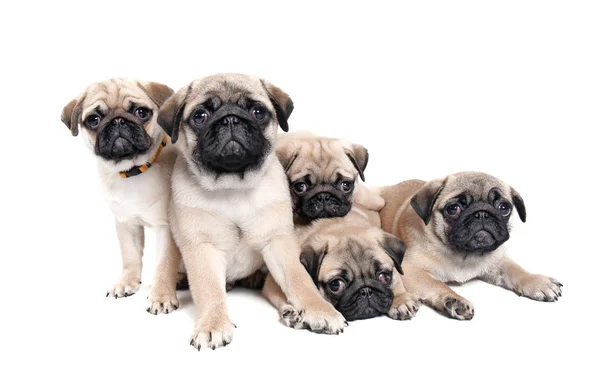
(323,175)
(453,228)
(231,208)
(118,119)
(356,267)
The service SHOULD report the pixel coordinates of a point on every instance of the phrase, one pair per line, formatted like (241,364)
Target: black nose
(366,292)
(230,120)
(118,121)
(482,214)
(323,197)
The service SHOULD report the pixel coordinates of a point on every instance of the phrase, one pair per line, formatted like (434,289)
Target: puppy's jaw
(232,144)
(323,205)
(363,302)
(122,142)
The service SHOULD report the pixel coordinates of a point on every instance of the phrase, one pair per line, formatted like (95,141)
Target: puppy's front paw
(323,318)
(126,287)
(212,333)
(292,317)
(459,308)
(404,307)
(161,302)
(540,288)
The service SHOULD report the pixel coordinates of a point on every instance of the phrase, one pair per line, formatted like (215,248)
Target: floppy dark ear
(312,259)
(519,204)
(282,103)
(395,249)
(157,92)
(170,115)
(286,154)
(423,201)
(71,114)
(359,157)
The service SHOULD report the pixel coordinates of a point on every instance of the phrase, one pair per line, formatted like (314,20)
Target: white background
(511,88)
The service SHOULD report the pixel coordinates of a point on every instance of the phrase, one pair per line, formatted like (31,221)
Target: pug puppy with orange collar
(118,120)
(454,229)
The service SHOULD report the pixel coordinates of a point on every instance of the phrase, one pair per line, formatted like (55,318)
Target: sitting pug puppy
(231,208)
(356,267)
(323,175)
(453,229)
(118,119)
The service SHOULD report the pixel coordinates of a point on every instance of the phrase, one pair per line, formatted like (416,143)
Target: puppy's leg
(369,198)
(282,256)
(513,277)
(163,296)
(131,240)
(206,269)
(436,294)
(290,316)
(405,304)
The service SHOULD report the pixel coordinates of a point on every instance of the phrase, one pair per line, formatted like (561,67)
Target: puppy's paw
(126,287)
(459,308)
(322,317)
(161,302)
(292,317)
(404,307)
(540,288)
(212,334)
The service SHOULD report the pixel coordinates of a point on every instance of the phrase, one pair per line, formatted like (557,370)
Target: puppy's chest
(141,199)
(459,269)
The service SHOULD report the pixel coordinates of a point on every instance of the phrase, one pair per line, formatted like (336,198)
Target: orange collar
(138,170)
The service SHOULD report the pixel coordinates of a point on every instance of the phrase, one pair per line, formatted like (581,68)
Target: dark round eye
(300,187)
(385,278)
(453,210)
(200,117)
(259,113)
(142,113)
(337,286)
(504,208)
(92,121)
(346,186)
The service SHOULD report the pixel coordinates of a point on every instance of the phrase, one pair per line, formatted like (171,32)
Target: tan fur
(139,201)
(228,226)
(430,263)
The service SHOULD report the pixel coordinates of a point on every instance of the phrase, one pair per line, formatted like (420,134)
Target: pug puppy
(356,267)
(231,208)
(453,229)
(118,121)
(323,175)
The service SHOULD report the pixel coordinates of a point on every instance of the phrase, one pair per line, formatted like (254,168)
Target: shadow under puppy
(230,209)
(453,229)
(355,265)
(118,119)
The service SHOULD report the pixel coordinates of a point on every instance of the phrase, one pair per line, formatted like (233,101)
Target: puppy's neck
(248,180)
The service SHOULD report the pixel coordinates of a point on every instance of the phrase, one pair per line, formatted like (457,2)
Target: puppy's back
(396,197)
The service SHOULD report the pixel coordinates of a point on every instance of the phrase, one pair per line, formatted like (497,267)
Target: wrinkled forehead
(476,185)
(324,159)
(234,88)
(113,95)
(353,258)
